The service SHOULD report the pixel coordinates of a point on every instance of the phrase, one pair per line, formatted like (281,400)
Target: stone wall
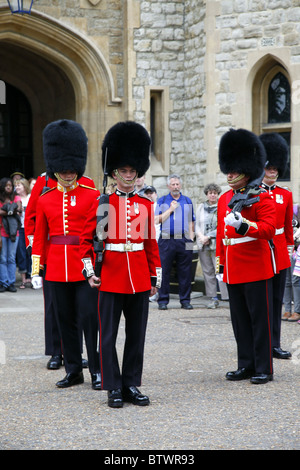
(170,50)
(203,52)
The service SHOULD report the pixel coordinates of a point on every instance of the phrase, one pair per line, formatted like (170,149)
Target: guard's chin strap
(273,179)
(65,182)
(238,178)
(123,180)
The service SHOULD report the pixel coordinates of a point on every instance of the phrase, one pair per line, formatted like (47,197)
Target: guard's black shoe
(55,362)
(279,353)
(115,399)
(241,374)
(96,381)
(133,395)
(261,378)
(85,363)
(70,380)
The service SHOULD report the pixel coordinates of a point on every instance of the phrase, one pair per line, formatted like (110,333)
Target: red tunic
(61,216)
(284,231)
(250,261)
(30,214)
(131,219)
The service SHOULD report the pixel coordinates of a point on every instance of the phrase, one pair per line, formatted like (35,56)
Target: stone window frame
(260,103)
(160,154)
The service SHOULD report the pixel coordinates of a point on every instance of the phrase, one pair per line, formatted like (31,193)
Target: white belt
(124,246)
(279,231)
(235,241)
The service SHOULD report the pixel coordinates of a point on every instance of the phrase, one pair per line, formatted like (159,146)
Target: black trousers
(251,307)
(135,308)
(53,346)
(75,306)
(278,293)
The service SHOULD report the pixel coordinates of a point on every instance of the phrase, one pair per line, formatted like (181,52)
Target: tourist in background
(10,208)
(206,229)
(22,189)
(175,213)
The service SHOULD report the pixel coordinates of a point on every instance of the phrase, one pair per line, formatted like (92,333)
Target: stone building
(186,69)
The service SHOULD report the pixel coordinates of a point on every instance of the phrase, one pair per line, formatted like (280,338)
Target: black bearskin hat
(126,143)
(65,147)
(277,151)
(242,152)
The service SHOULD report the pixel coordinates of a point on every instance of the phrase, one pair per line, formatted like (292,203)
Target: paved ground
(192,406)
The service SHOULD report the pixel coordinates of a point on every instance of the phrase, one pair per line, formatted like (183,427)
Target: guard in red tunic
(52,335)
(131,269)
(244,255)
(60,216)
(277,154)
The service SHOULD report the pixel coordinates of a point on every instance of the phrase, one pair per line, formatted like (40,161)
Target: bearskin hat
(65,147)
(277,151)
(126,143)
(241,151)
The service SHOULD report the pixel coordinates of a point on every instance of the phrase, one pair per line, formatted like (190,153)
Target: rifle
(45,188)
(101,227)
(245,199)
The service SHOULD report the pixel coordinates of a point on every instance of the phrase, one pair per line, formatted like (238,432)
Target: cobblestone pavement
(192,407)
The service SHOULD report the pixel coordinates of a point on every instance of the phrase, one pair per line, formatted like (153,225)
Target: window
(158,106)
(272,105)
(279,97)
(156,125)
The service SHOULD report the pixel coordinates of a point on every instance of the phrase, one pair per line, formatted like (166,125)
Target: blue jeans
(8,261)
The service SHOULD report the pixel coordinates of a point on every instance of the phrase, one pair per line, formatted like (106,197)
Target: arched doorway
(47,91)
(62,75)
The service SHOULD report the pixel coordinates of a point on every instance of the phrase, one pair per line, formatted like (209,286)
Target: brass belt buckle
(128,246)
(227,241)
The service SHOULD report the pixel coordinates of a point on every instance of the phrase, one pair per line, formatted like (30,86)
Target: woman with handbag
(206,229)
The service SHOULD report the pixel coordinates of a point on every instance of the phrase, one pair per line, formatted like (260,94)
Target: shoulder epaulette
(87,187)
(284,187)
(48,191)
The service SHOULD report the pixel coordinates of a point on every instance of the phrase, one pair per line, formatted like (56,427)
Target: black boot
(70,380)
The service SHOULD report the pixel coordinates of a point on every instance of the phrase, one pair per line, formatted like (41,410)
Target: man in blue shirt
(175,213)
